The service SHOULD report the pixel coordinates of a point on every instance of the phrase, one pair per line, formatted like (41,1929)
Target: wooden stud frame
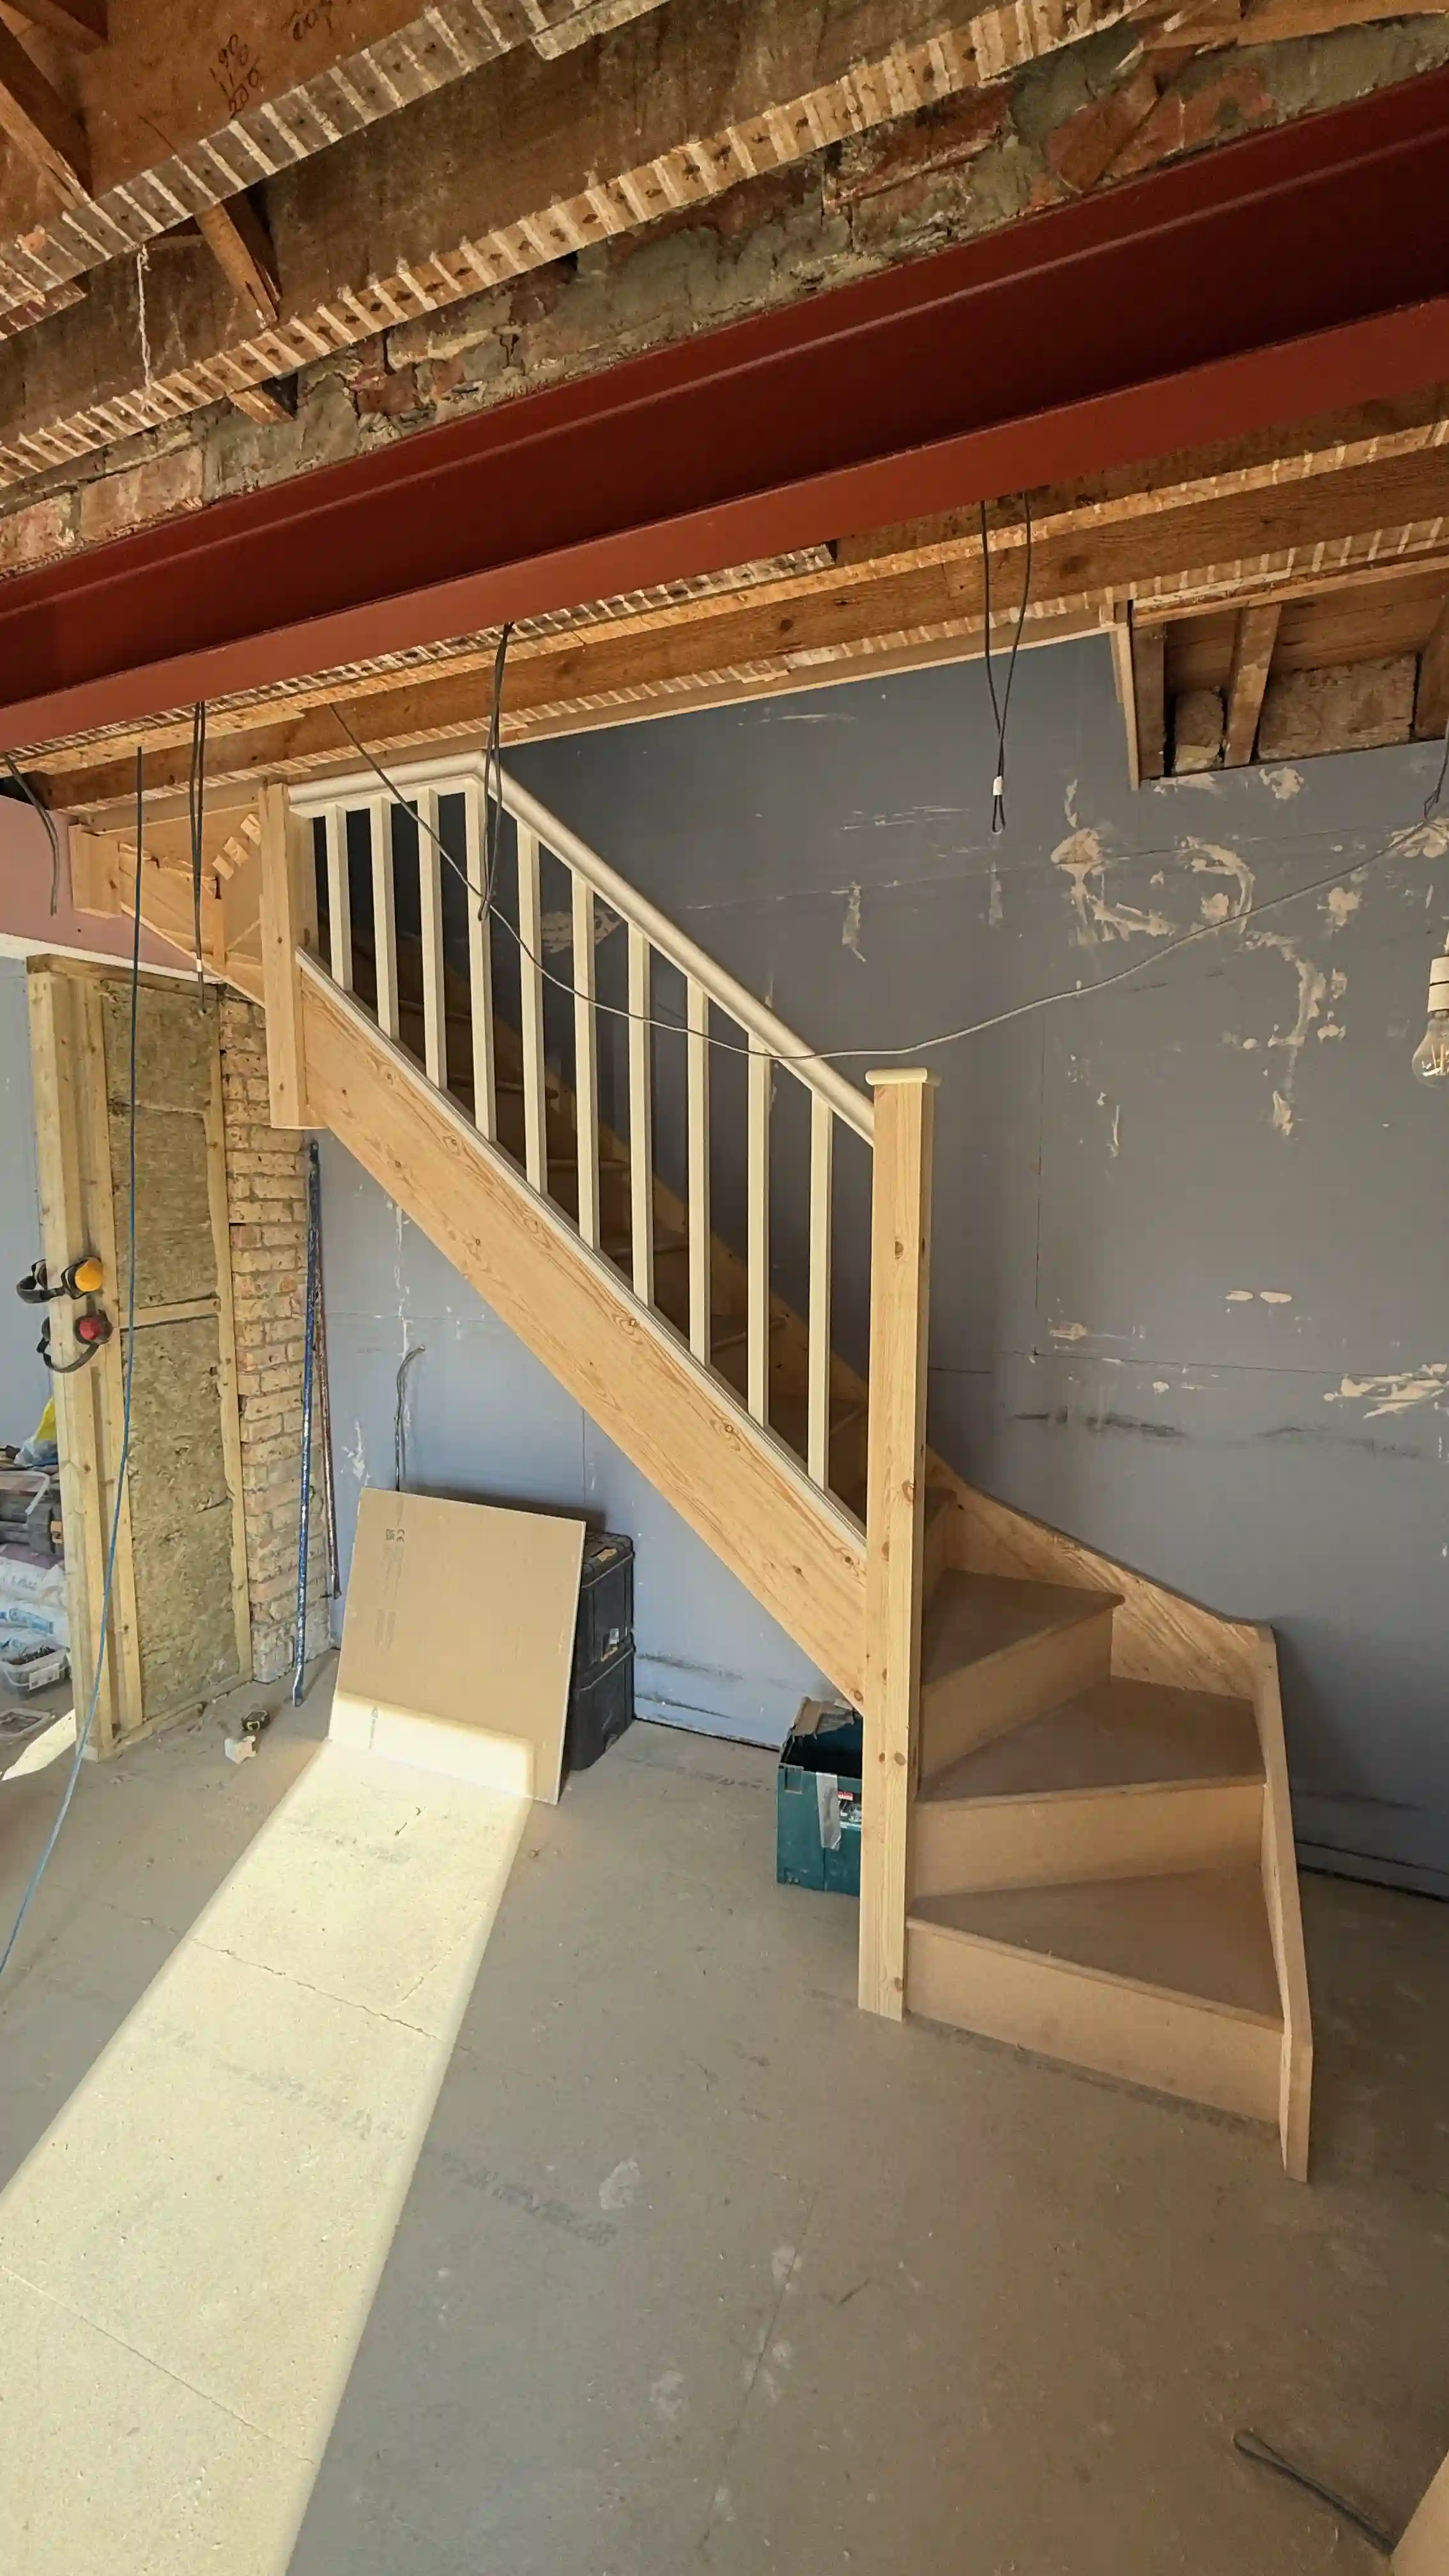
(219,1212)
(288,923)
(67,1073)
(78,1214)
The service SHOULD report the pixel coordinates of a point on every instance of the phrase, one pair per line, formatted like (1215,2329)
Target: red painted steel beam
(1271,278)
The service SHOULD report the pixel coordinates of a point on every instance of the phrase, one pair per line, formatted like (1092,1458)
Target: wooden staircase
(1077,1832)
(1086,1855)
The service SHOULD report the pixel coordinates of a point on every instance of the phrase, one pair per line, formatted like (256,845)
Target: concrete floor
(699,2268)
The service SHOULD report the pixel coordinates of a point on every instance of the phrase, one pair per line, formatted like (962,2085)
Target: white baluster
(384,917)
(641,1118)
(697,1018)
(822,1150)
(480,963)
(339,904)
(586,1061)
(530,971)
(757,1313)
(430,897)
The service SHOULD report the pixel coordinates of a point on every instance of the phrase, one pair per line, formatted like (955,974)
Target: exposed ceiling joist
(1431,705)
(21,317)
(1252,658)
(236,100)
(405,217)
(1351,668)
(268,403)
(241,245)
(523,163)
(833,414)
(82,23)
(1118,621)
(1150,719)
(45,132)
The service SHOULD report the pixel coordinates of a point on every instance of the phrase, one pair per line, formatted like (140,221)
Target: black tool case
(601,1691)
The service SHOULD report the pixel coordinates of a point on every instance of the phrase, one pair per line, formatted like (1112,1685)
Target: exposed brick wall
(267,1200)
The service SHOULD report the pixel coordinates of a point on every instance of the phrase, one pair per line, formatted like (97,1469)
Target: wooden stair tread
(1118,1734)
(1199,1933)
(973,1616)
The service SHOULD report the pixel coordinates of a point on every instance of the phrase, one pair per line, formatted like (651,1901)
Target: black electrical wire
(1000,712)
(918,1046)
(108,1583)
(51,834)
(196,808)
(1253,2447)
(309,1380)
(400,1415)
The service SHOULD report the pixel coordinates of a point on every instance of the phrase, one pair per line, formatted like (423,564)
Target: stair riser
(1101,2023)
(943,1527)
(979,1701)
(1111,1833)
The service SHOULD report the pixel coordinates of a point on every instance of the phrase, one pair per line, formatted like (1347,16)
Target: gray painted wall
(486,1422)
(24,1385)
(1192,1232)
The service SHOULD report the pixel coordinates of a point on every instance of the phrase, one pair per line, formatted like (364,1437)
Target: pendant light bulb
(1431,1056)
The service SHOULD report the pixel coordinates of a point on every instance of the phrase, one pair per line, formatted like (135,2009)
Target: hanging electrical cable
(83,1735)
(196,808)
(309,1379)
(1000,713)
(916,1046)
(51,834)
(410,1358)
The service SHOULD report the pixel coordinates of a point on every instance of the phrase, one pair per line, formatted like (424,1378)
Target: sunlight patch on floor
(188,2259)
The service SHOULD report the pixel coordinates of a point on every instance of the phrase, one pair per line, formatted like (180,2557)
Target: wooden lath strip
(447,39)
(691,169)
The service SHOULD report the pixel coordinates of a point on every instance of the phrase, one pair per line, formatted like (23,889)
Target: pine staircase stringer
(801,1557)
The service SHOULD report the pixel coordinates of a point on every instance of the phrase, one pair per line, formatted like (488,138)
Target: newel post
(288,922)
(900,1279)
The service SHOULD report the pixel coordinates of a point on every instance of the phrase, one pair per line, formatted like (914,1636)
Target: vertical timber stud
(66,1209)
(289,922)
(900,1276)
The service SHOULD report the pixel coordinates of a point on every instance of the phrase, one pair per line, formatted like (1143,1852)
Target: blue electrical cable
(304,1518)
(83,1739)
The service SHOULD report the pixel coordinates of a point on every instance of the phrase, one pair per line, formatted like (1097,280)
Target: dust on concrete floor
(700,2268)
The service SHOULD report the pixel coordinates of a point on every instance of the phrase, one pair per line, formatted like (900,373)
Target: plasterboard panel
(458,1640)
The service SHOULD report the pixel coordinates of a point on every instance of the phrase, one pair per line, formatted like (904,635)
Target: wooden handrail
(447,776)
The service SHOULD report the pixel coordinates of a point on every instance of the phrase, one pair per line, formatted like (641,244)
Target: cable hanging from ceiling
(485,897)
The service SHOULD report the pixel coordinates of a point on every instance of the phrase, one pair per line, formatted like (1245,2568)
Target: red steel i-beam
(1271,278)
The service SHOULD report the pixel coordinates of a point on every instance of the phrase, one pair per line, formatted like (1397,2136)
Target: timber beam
(541,153)
(911,595)
(527,160)
(236,99)
(788,430)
